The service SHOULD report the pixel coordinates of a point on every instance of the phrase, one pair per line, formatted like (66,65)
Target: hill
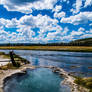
(82,42)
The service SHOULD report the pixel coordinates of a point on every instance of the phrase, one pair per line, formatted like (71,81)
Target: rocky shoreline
(6,74)
(68,79)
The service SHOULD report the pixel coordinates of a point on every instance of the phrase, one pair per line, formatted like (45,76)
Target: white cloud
(90,24)
(9,23)
(44,23)
(67,1)
(90,31)
(76,6)
(49,29)
(81,18)
(24,28)
(81,29)
(57,8)
(26,6)
(59,15)
(86,36)
(73,34)
(76,33)
(88,3)
(65,31)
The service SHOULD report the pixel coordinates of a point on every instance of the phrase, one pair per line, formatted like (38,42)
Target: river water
(43,80)
(78,63)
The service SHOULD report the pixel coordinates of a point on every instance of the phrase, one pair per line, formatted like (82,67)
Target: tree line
(80,42)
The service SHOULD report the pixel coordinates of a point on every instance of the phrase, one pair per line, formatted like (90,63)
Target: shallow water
(75,62)
(38,80)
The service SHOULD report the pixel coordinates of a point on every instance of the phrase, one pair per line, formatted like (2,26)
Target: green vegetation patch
(84,82)
(22,60)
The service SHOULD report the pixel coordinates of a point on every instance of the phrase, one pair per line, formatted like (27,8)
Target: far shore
(50,48)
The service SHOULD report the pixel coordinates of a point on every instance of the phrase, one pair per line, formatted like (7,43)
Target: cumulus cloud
(67,1)
(73,34)
(90,24)
(59,15)
(57,8)
(76,6)
(81,18)
(65,31)
(76,33)
(8,23)
(86,36)
(26,6)
(48,28)
(42,22)
(88,3)
(79,32)
(81,29)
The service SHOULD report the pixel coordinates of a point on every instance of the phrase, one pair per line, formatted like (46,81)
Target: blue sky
(45,21)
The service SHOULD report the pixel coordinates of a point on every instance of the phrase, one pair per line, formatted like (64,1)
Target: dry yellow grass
(56,48)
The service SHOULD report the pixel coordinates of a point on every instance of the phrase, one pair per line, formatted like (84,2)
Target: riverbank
(50,48)
(5,74)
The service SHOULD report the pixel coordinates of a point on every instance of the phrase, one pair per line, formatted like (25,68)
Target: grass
(52,48)
(84,82)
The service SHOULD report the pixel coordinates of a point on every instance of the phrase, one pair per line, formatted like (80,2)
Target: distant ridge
(82,42)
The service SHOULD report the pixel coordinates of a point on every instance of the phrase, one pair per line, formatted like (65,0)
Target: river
(73,62)
(43,80)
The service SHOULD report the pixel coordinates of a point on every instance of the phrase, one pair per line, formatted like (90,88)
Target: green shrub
(79,81)
(18,64)
(85,82)
(89,85)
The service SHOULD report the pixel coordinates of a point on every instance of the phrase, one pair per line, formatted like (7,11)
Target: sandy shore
(69,80)
(4,61)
